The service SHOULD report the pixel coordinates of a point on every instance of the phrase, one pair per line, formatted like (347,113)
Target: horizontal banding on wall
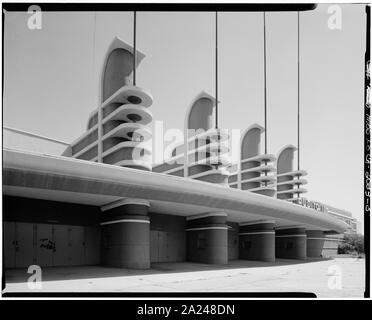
(125,221)
(207,238)
(207,221)
(258,232)
(290,235)
(315,243)
(291,243)
(257,240)
(123,216)
(206,228)
(126,210)
(326,239)
(126,242)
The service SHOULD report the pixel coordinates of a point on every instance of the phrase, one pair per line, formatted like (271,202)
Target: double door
(50,245)
(167,246)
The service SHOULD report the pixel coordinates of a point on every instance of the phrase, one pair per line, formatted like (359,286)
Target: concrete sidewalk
(313,275)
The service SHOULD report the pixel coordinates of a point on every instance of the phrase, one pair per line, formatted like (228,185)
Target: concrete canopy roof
(66,179)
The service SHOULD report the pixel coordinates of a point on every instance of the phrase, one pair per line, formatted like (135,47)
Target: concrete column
(331,242)
(207,238)
(315,243)
(126,234)
(257,241)
(290,243)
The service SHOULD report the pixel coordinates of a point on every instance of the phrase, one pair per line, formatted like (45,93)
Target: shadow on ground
(90,272)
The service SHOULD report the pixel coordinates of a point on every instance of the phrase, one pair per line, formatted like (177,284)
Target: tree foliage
(353,243)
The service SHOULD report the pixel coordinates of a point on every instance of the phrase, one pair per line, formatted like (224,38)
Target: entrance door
(158,246)
(46,245)
(233,248)
(163,246)
(167,246)
(92,245)
(76,245)
(176,246)
(154,246)
(24,245)
(60,238)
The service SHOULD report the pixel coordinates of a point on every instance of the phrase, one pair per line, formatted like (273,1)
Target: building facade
(103,202)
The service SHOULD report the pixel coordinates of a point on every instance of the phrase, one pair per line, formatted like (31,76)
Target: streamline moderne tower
(117,130)
(256,171)
(117,134)
(205,149)
(203,157)
(289,180)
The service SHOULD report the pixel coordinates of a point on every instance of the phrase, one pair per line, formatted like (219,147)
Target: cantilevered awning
(70,180)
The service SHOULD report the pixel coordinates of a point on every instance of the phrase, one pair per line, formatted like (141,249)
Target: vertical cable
(265,90)
(99,113)
(94,39)
(298,97)
(216,89)
(134,47)
(216,58)
(298,90)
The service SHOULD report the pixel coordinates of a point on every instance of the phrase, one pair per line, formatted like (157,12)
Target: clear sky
(51,80)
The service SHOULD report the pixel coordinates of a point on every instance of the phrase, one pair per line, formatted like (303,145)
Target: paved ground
(318,276)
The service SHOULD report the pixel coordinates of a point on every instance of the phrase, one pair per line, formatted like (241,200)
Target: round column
(257,241)
(207,238)
(126,234)
(315,243)
(290,242)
